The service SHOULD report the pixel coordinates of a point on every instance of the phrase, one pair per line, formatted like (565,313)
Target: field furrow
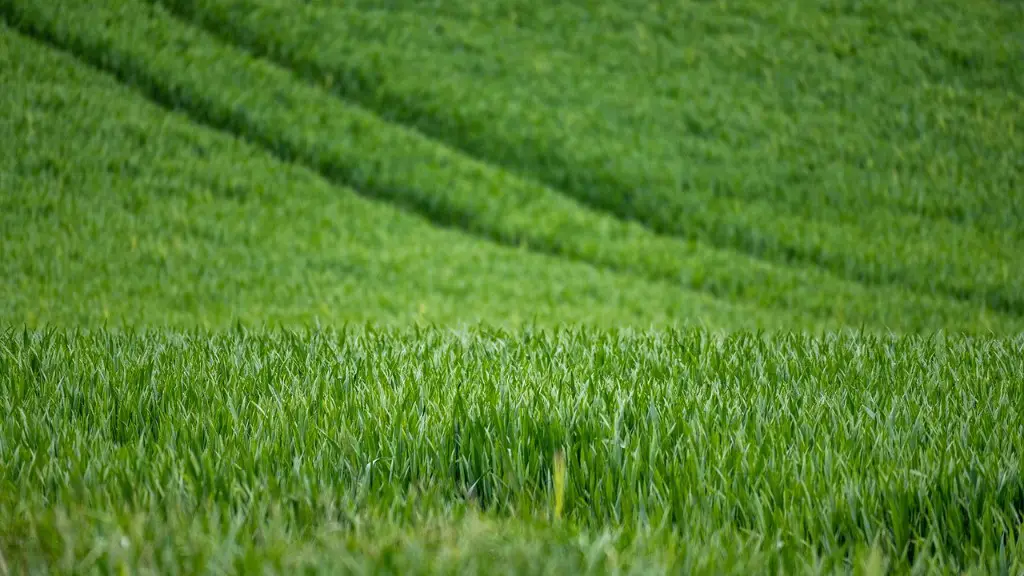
(118,211)
(791,174)
(184,68)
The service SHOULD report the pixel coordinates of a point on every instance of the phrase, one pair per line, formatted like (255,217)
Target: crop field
(382,286)
(414,451)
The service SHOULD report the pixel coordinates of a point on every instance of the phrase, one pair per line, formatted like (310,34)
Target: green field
(511,286)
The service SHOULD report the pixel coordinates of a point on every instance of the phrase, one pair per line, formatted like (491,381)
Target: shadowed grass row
(219,85)
(790,452)
(797,133)
(114,210)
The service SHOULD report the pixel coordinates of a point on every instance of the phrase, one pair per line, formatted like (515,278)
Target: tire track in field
(138,79)
(791,291)
(955,214)
(360,87)
(580,183)
(235,123)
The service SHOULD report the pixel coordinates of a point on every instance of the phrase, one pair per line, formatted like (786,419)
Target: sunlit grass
(511,287)
(783,451)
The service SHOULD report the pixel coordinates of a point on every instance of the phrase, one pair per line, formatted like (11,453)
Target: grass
(794,451)
(223,87)
(137,216)
(783,131)
(511,287)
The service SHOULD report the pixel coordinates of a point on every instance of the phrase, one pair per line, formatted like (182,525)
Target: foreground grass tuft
(360,449)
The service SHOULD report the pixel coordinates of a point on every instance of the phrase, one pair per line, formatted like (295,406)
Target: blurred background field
(786,166)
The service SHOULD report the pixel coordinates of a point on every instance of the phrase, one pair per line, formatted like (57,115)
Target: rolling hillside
(380,286)
(828,213)
(135,215)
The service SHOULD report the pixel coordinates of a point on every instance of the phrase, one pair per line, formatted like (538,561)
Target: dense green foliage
(881,140)
(115,210)
(793,452)
(196,195)
(223,87)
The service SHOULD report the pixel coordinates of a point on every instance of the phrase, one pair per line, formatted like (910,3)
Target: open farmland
(511,286)
(413,451)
